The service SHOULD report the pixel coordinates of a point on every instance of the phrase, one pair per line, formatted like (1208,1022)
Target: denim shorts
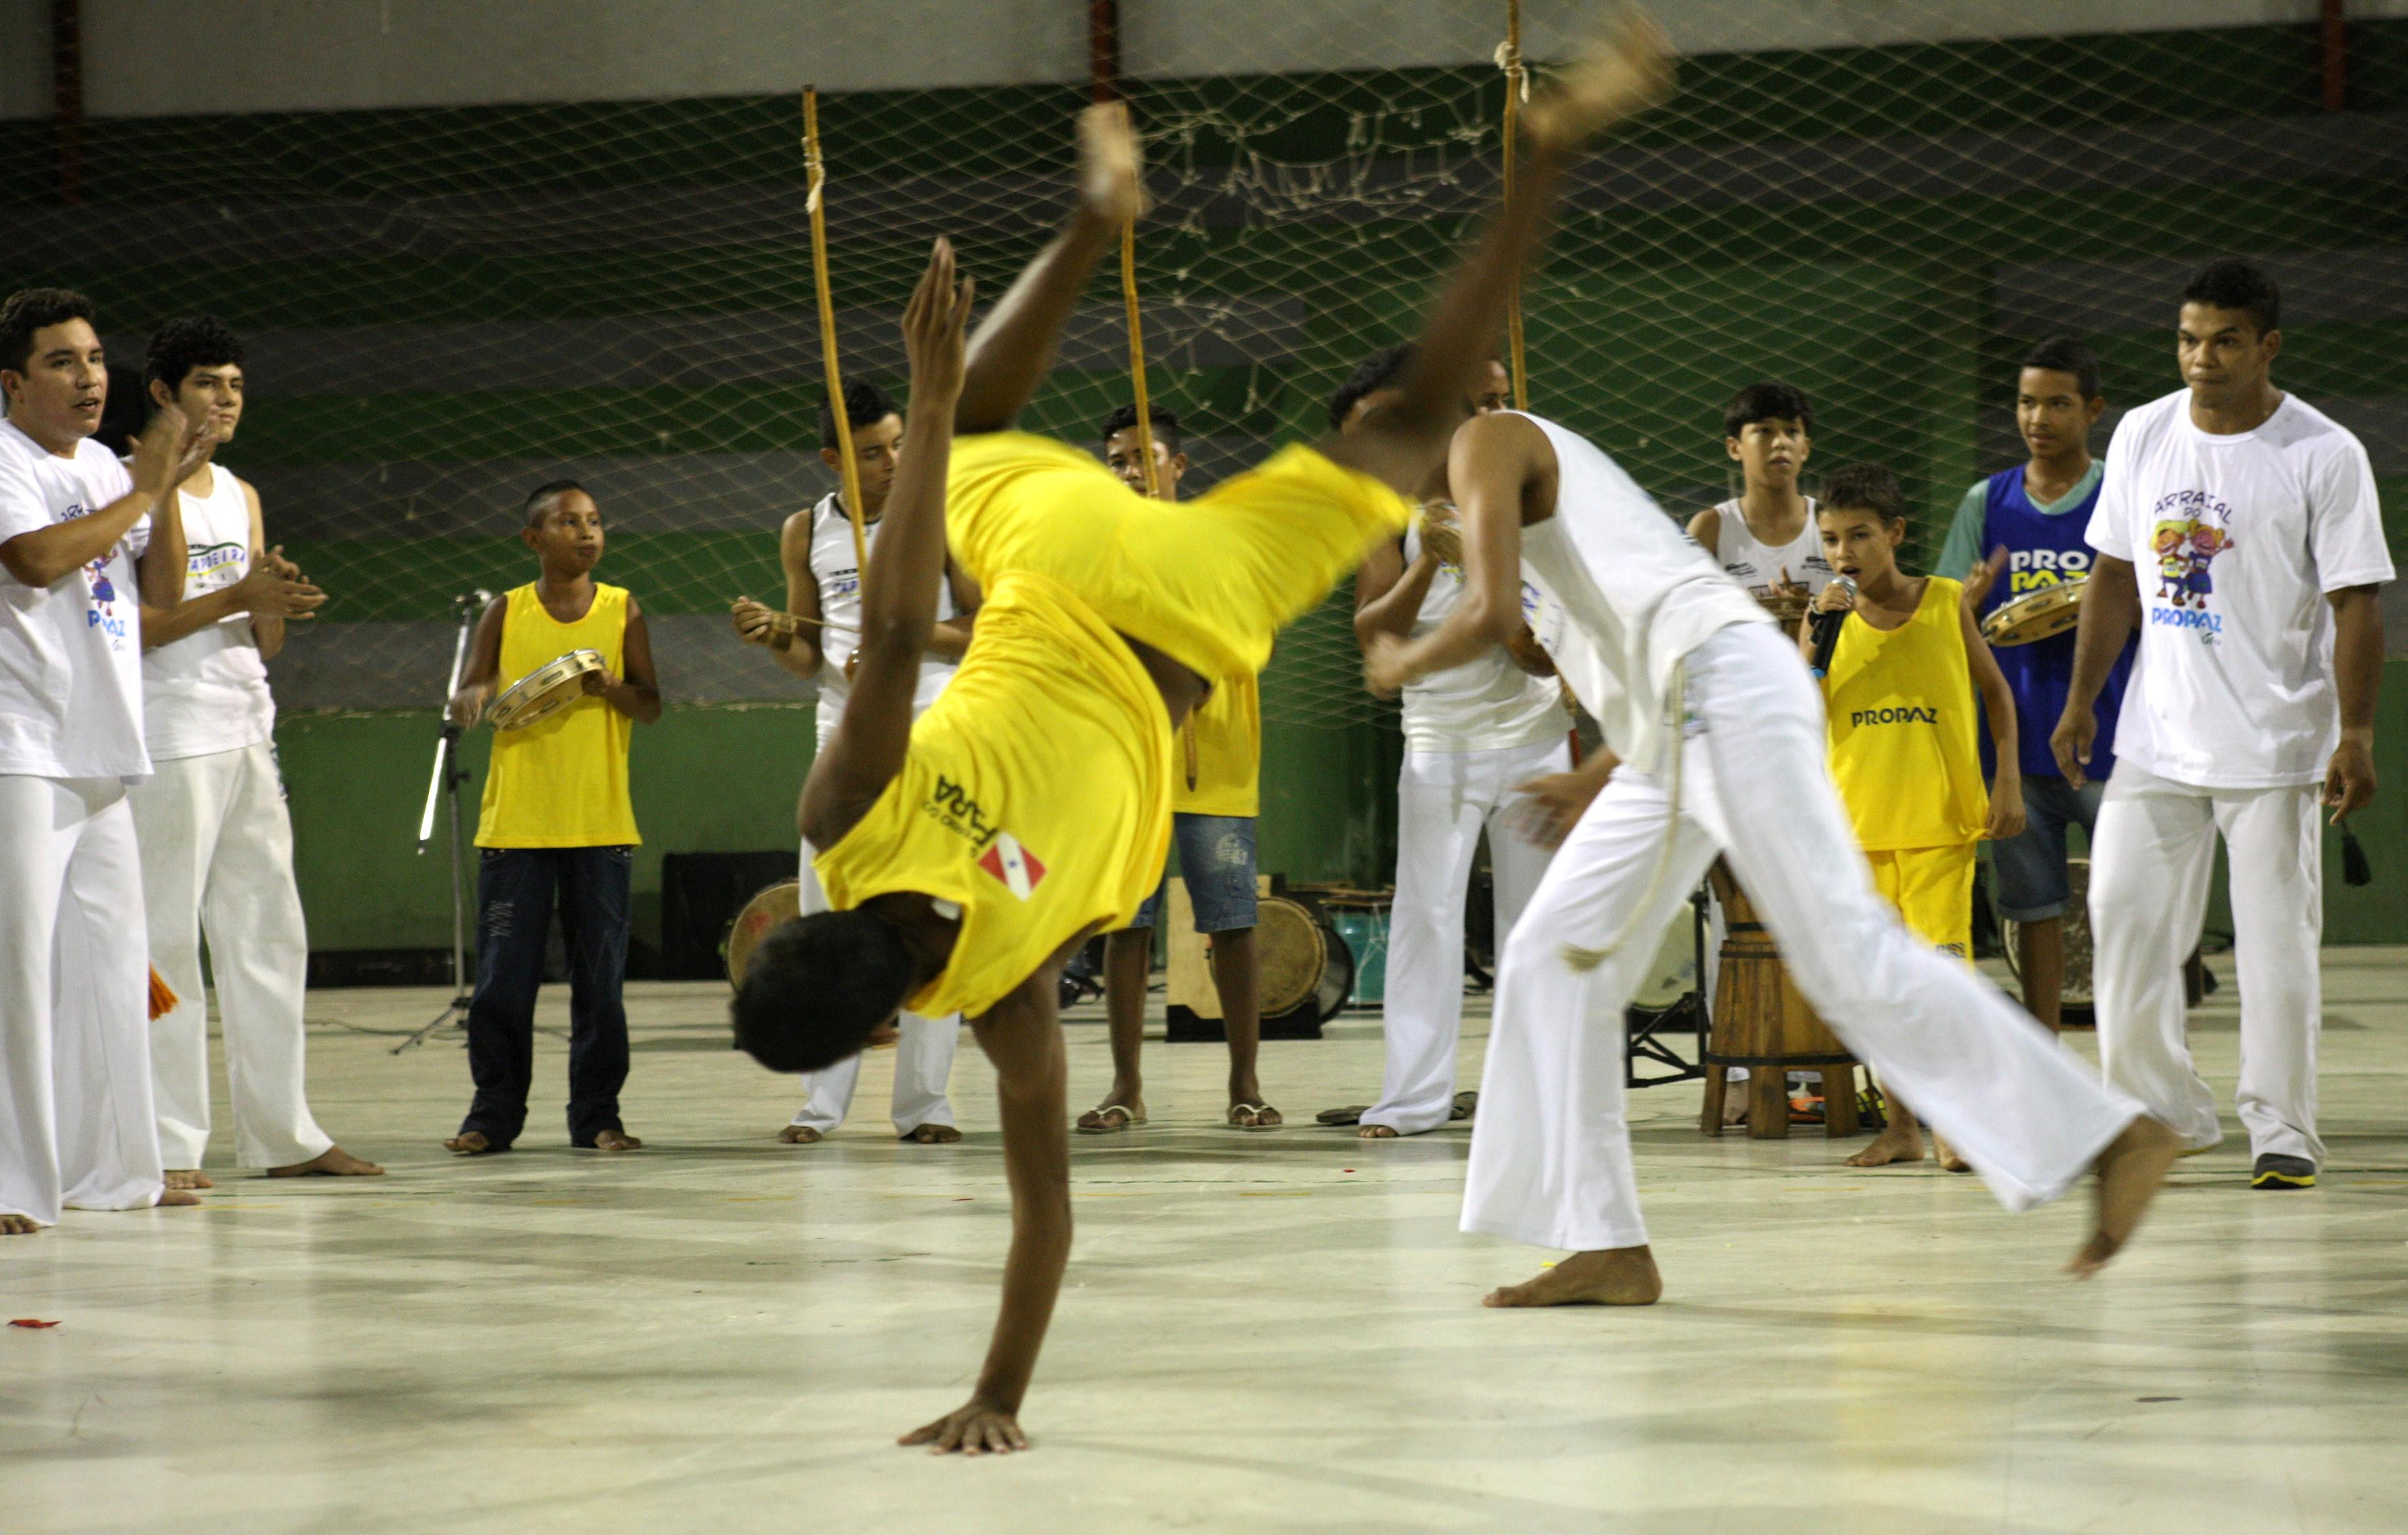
(1216,859)
(2029,866)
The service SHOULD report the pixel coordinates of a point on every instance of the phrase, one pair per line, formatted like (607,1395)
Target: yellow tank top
(1903,741)
(1036,796)
(1227,753)
(561,783)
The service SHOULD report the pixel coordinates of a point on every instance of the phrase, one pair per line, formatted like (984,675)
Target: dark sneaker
(2274,1171)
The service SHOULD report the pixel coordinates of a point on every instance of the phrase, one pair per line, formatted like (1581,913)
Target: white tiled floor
(1262,1333)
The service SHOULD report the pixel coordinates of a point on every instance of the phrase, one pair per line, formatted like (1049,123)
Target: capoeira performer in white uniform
(2252,701)
(1727,756)
(217,845)
(77,1124)
(827,588)
(1474,734)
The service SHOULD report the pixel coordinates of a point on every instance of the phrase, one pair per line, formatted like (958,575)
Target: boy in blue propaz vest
(2033,519)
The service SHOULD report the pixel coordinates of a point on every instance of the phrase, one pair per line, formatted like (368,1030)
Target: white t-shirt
(71,652)
(1638,594)
(1487,703)
(207,692)
(2235,540)
(840,582)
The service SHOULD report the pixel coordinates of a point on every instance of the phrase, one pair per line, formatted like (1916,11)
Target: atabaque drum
(2035,615)
(1302,960)
(779,903)
(1764,1022)
(545,691)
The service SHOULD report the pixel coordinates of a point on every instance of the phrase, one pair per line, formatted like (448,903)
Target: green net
(447,305)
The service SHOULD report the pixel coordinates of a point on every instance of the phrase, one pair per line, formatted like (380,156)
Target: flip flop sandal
(1242,1111)
(912,1137)
(1103,1112)
(1352,1115)
(1466,1105)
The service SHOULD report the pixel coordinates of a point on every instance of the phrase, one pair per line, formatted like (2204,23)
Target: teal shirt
(1963,549)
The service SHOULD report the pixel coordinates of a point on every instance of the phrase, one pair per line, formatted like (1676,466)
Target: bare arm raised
(899,591)
(1500,466)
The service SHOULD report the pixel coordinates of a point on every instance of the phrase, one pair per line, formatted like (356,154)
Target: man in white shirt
(1474,735)
(217,844)
(77,1126)
(2262,647)
(814,638)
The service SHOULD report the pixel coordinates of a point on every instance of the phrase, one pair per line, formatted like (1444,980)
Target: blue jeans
(1216,859)
(2029,866)
(515,890)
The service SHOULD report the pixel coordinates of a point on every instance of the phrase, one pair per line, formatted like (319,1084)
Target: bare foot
(188,1177)
(1946,1154)
(799,1135)
(179,1197)
(1627,67)
(19,1225)
(616,1141)
(932,1135)
(1376,1132)
(2131,1171)
(1898,1143)
(1110,170)
(471,1143)
(333,1162)
(1614,1276)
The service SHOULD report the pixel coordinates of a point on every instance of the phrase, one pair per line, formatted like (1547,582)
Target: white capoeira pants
(217,855)
(77,1126)
(2151,859)
(923,1060)
(1551,1150)
(1443,800)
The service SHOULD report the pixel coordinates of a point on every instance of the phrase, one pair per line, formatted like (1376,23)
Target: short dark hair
(1164,419)
(29,310)
(817,987)
(179,346)
(1769,401)
(865,405)
(2236,282)
(1383,369)
(539,500)
(1863,487)
(2067,354)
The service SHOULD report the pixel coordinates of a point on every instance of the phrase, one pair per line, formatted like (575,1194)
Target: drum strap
(1676,701)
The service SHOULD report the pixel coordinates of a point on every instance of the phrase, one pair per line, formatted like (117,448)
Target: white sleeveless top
(1758,567)
(840,582)
(207,692)
(1637,593)
(1485,704)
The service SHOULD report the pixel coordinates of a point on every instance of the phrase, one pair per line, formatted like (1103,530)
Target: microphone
(1824,627)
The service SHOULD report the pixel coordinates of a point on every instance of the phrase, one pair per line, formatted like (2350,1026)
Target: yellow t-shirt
(1208,581)
(561,783)
(1036,796)
(1904,749)
(1226,752)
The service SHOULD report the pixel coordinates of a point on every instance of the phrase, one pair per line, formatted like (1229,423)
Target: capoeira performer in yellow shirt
(969,855)
(1726,755)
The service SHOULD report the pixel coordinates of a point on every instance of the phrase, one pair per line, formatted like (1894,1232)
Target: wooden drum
(1763,1022)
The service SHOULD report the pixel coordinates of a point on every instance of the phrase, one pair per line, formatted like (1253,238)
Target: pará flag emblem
(1015,866)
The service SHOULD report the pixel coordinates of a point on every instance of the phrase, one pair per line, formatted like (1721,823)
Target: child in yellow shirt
(1899,693)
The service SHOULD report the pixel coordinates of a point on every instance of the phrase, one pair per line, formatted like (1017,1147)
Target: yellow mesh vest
(1227,736)
(1036,796)
(1904,750)
(561,783)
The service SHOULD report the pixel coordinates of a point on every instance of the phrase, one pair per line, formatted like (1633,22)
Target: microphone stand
(444,784)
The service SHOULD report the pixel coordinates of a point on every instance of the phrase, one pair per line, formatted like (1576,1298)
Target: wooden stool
(1763,1022)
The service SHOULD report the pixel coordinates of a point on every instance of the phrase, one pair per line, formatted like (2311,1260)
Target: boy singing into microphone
(1899,692)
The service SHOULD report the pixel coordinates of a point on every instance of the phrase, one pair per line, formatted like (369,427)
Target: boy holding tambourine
(557,823)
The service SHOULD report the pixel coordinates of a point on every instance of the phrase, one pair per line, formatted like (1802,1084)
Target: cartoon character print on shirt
(2189,530)
(104,615)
